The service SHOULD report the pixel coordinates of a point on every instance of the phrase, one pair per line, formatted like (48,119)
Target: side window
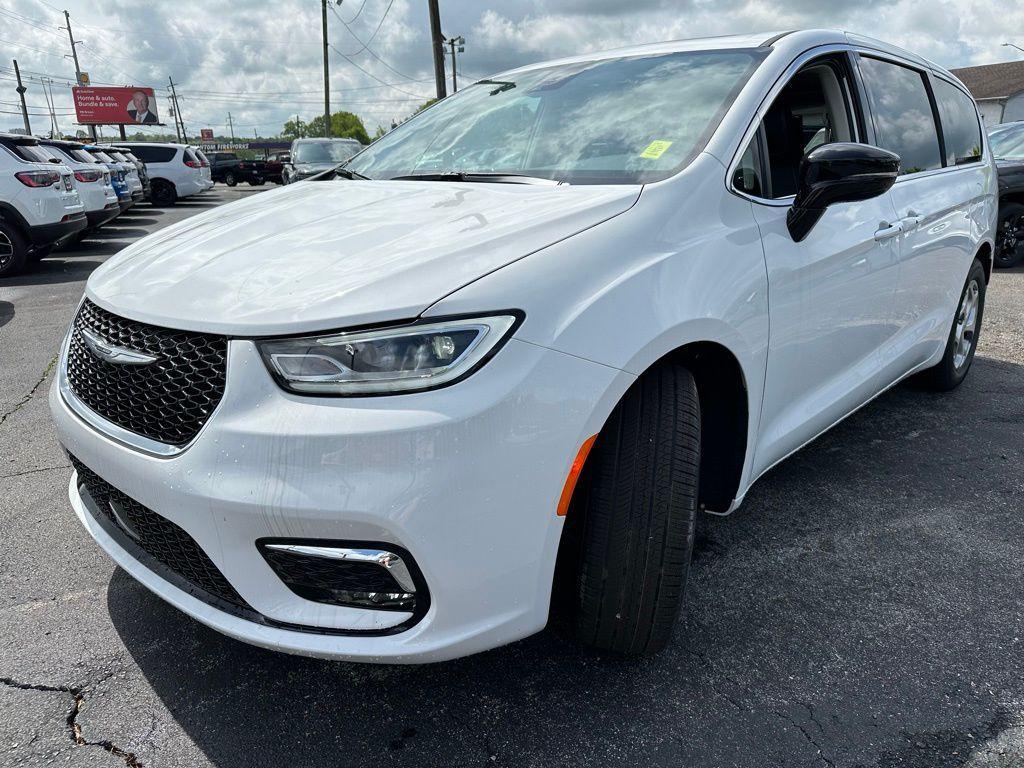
(811,110)
(747,177)
(902,114)
(960,127)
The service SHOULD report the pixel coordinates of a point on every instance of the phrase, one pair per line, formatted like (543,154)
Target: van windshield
(1008,143)
(325,151)
(628,120)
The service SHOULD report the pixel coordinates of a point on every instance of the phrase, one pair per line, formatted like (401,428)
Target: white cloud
(262,60)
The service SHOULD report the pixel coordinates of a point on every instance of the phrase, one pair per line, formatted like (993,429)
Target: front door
(830,295)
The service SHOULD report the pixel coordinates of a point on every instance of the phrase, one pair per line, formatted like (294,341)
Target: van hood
(328,254)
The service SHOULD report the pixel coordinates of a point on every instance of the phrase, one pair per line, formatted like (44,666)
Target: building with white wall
(998,89)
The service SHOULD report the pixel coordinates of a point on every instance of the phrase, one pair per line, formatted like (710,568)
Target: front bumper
(465,478)
(43,235)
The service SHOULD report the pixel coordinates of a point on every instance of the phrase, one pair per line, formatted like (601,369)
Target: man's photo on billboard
(141,109)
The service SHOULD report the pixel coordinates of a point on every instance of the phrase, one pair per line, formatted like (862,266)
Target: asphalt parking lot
(863,608)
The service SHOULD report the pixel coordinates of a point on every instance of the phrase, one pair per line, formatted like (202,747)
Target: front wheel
(1010,236)
(962,342)
(229,179)
(639,510)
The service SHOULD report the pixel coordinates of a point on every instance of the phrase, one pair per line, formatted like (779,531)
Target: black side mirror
(839,173)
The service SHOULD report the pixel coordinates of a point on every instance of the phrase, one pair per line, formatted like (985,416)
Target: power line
(370,39)
(370,74)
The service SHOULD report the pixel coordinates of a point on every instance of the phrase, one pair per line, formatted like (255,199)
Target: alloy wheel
(966,325)
(1010,240)
(6,251)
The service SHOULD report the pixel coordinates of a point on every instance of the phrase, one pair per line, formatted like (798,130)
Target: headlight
(389,360)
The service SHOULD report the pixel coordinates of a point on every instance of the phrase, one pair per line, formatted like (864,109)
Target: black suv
(1007,142)
(226,167)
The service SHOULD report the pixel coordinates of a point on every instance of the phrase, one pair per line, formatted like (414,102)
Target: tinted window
(154,154)
(902,113)
(32,154)
(85,157)
(810,111)
(960,127)
(103,157)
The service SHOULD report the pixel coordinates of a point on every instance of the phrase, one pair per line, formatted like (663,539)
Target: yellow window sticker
(655,149)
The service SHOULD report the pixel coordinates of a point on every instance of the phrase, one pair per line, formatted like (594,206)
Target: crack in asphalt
(806,735)
(34,471)
(31,393)
(71,721)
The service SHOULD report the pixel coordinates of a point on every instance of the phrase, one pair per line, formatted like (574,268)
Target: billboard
(115,106)
(206,134)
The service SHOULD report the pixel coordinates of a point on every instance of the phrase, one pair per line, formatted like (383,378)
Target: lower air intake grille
(159,538)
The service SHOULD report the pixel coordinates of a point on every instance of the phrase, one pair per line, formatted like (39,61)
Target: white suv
(509,351)
(93,181)
(39,203)
(174,170)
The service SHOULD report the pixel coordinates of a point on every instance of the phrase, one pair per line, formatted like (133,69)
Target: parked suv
(1008,147)
(118,175)
(227,168)
(174,170)
(92,181)
(494,366)
(39,204)
(309,157)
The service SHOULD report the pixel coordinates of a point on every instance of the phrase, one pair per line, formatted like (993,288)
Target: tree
(424,105)
(296,129)
(344,125)
(381,130)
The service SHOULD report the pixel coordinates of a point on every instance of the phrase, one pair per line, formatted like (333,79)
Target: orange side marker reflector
(574,475)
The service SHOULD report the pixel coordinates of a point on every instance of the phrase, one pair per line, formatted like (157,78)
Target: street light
(1013,45)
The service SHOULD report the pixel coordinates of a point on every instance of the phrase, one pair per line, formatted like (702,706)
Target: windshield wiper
(345,173)
(503,85)
(484,176)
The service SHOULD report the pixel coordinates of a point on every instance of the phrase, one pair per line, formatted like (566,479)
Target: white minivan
(497,363)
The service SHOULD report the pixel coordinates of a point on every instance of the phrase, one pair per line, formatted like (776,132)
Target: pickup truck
(226,167)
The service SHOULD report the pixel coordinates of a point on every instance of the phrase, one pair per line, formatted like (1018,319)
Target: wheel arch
(985,256)
(722,389)
(11,214)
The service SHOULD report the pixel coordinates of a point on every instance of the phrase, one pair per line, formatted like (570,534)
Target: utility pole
(327,76)
(177,112)
(78,69)
(53,107)
(231,128)
(21,94)
(437,43)
(458,44)
(174,114)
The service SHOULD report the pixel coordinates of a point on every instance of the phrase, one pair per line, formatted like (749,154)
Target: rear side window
(154,154)
(83,156)
(31,154)
(960,127)
(902,114)
(190,156)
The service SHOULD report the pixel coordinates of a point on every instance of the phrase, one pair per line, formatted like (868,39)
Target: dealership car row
(55,192)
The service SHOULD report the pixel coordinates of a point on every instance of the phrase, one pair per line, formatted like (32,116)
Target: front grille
(168,400)
(166,543)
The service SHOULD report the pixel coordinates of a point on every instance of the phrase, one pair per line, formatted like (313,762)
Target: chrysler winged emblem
(110,353)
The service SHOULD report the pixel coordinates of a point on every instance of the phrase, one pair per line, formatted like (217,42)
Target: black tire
(256,181)
(639,500)
(14,249)
(229,179)
(163,194)
(956,362)
(1010,236)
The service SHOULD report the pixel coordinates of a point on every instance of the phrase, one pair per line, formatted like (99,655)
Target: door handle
(887,231)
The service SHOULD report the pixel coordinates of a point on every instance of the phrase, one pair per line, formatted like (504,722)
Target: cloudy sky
(261,61)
